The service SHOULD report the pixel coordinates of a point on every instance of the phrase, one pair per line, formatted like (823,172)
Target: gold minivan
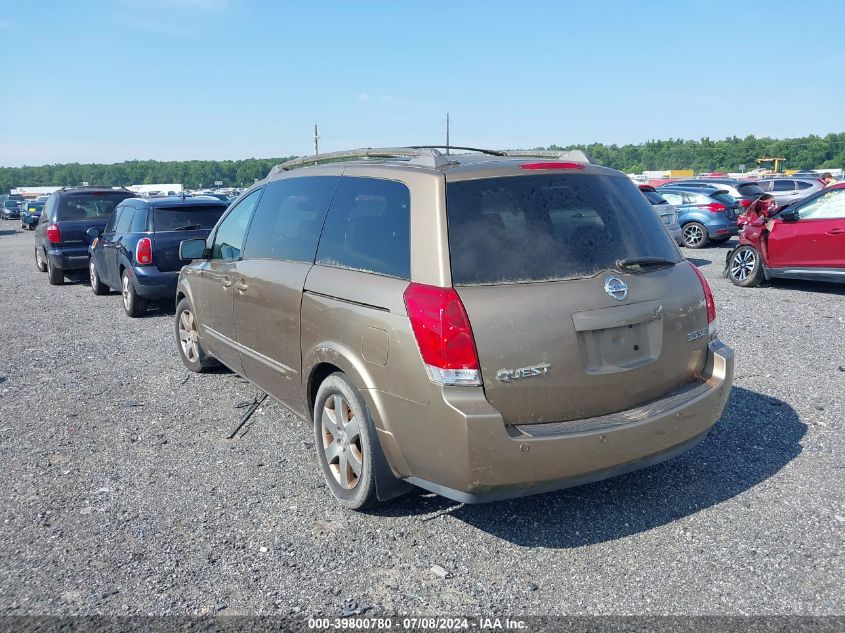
(482,325)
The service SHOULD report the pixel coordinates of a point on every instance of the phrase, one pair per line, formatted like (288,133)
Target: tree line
(704,155)
(192,174)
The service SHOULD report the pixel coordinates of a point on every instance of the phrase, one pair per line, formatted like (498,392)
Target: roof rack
(116,188)
(423,155)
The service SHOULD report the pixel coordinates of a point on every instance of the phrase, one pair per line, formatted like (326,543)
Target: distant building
(157,189)
(30,193)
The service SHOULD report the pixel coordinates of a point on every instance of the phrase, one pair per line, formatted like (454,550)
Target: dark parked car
(31,214)
(789,190)
(668,214)
(704,215)
(11,210)
(743,191)
(61,243)
(138,250)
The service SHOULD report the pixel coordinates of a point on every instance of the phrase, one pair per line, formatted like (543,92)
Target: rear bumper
(151,283)
(68,260)
(458,446)
(11,215)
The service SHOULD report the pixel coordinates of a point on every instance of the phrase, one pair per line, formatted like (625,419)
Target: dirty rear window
(521,229)
(187,217)
(89,206)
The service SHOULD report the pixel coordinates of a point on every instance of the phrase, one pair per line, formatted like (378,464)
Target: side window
(672,198)
(139,221)
(828,206)
(693,198)
(113,218)
(803,185)
(784,185)
(765,185)
(289,218)
(229,238)
(125,220)
(367,228)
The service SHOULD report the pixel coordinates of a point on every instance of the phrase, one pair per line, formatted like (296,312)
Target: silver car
(667,212)
(788,190)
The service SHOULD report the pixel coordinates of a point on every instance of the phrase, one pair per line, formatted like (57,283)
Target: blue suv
(137,252)
(705,216)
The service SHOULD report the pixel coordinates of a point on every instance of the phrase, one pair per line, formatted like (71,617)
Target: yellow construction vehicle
(777,166)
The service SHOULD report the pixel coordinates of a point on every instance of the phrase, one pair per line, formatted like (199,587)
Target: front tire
(188,341)
(745,268)
(133,305)
(56,275)
(345,439)
(97,286)
(695,235)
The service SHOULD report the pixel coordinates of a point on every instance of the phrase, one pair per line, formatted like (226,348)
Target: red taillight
(745,202)
(144,251)
(551,165)
(443,334)
(708,300)
(54,235)
(715,207)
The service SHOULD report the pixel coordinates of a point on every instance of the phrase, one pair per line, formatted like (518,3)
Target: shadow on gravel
(756,437)
(699,262)
(13,232)
(821,287)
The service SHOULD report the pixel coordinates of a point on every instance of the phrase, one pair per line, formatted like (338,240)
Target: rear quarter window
(521,229)
(654,198)
(749,190)
(367,228)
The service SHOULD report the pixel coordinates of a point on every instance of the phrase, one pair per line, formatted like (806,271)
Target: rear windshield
(521,229)
(89,206)
(11,204)
(185,218)
(654,198)
(724,198)
(749,189)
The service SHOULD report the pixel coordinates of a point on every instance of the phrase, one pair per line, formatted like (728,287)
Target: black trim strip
(342,300)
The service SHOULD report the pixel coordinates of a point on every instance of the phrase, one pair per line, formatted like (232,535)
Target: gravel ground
(121,493)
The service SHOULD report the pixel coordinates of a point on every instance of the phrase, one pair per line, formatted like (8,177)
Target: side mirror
(192,249)
(93,232)
(789,214)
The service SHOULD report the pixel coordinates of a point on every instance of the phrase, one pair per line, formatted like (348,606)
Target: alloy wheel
(693,235)
(742,264)
(341,432)
(188,336)
(127,295)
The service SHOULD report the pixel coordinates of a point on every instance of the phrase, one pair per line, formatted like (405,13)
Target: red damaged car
(804,240)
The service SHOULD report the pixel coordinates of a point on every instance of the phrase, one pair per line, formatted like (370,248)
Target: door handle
(836,231)
(227,281)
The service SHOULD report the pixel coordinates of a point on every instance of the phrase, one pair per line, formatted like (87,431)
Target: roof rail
(116,188)
(424,156)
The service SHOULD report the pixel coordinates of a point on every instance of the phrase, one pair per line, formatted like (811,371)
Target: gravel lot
(121,494)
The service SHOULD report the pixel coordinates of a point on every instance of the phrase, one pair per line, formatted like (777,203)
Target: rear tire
(133,305)
(188,341)
(56,275)
(745,268)
(39,263)
(695,235)
(97,286)
(345,439)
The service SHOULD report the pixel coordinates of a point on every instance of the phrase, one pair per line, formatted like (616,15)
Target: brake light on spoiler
(552,165)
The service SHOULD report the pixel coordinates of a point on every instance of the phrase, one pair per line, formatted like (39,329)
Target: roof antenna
(316,141)
(447,134)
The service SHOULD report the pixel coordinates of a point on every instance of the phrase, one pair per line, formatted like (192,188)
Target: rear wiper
(187,227)
(643,262)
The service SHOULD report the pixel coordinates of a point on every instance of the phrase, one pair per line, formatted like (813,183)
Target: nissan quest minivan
(481,325)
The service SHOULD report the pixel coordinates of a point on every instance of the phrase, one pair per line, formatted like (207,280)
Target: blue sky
(105,81)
